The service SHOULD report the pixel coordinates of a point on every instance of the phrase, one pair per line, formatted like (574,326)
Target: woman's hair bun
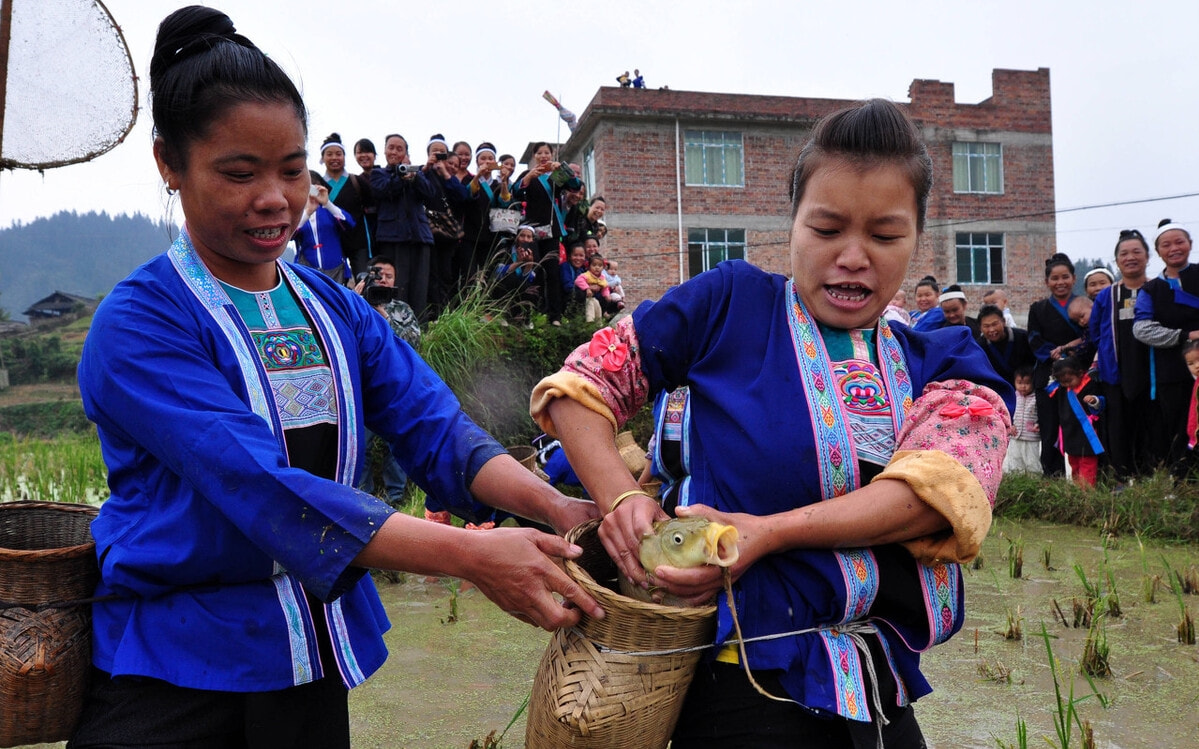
(1164,221)
(1058,258)
(189,31)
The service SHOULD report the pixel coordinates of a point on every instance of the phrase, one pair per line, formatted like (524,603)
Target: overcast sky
(1124,81)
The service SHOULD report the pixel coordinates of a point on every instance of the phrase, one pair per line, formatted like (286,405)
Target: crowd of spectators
(1106,380)
(442,228)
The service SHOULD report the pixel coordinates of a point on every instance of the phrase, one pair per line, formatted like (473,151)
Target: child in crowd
(1078,406)
(895,311)
(595,289)
(1024,447)
(570,271)
(1190,352)
(615,289)
(1079,312)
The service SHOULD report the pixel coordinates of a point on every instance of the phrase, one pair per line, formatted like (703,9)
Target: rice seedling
(1015,630)
(1021,736)
(1186,624)
(1047,558)
(453,585)
(1084,612)
(996,672)
(1015,558)
(1065,707)
(979,562)
(491,741)
(1095,651)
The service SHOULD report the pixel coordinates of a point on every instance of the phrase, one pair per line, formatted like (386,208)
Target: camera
(405,169)
(441,155)
(376,295)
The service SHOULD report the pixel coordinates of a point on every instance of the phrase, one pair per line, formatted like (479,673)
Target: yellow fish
(683,542)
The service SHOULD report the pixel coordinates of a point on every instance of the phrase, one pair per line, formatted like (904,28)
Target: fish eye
(677,539)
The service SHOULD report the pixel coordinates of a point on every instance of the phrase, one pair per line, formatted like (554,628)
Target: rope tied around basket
(853,630)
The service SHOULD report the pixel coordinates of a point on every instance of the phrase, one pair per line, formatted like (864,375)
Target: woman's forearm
(884,512)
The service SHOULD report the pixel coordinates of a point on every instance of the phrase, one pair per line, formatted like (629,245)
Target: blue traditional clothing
(775,421)
(213,543)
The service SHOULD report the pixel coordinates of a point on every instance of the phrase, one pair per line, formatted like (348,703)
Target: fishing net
(70,92)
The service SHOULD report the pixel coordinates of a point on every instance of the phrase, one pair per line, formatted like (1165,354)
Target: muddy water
(1153,692)
(445,684)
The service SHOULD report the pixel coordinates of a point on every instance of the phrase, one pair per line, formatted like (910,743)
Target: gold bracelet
(616,502)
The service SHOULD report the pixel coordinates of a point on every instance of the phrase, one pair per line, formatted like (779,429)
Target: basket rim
(606,594)
(58,552)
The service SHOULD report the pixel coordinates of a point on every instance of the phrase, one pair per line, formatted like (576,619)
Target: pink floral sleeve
(968,422)
(604,374)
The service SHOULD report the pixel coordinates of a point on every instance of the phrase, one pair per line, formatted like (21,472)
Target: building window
(589,170)
(707,247)
(714,157)
(978,167)
(980,258)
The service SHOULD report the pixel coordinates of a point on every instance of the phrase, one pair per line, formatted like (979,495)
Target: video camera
(405,169)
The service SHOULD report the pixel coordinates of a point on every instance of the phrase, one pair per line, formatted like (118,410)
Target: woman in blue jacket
(231,393)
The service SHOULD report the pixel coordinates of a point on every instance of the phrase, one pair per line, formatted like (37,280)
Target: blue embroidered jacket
(756,444)
(210,539)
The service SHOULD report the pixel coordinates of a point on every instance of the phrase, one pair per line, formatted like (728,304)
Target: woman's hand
(697,585)
(517,569)
(622,531)
(322,195)
(569,512)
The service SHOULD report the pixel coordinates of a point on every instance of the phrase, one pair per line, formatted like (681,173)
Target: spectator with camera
(444,211)
(539,188)
(516,278)
(383,476)
(403,234)
(486,193)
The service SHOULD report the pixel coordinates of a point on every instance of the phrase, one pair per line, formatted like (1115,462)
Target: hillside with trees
(84,254)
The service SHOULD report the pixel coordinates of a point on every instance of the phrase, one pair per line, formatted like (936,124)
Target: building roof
(57,304)
(932,102)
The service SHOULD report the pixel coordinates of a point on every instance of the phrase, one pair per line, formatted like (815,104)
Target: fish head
(689,542)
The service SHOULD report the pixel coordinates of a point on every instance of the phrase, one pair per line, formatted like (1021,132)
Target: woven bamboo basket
(47,556)
(596,685)
(526,455)
(632,453)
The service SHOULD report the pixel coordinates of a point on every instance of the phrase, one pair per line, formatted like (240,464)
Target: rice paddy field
(1074,637)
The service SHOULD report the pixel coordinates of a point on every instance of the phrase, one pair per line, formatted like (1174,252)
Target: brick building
(692,178)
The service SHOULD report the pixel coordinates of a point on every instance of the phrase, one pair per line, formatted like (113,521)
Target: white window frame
(968,154)
(709,145)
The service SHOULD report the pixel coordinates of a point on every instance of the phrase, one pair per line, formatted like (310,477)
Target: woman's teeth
(848,293)
(266,234)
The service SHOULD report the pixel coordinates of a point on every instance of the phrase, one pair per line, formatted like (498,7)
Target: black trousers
(142,712)
(412,272)
(723,711)
(552,293)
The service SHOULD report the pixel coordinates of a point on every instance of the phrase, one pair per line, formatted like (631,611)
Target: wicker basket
(46,556)
(591,690)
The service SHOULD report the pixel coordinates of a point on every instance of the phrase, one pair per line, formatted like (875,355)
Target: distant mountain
(84,254)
